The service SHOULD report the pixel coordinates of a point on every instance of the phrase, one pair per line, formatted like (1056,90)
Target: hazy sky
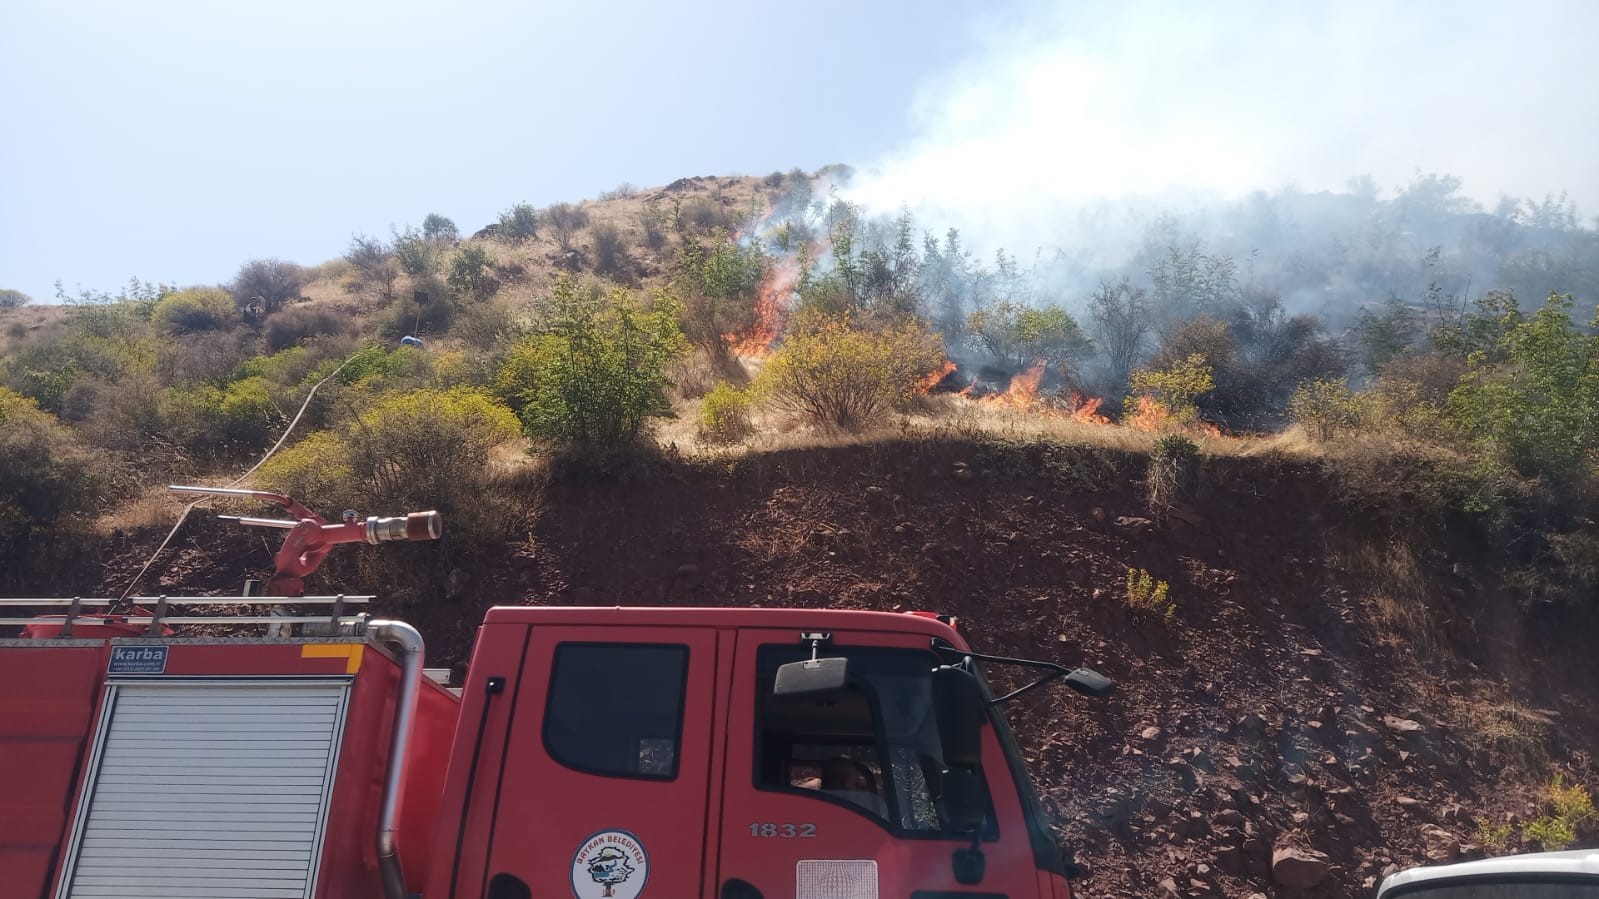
(174,140)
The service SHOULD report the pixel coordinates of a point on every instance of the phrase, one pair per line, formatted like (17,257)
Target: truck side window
(617,708)
(872,747)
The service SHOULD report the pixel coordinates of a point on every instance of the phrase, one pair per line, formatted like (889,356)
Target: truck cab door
(606,766)
(837,797)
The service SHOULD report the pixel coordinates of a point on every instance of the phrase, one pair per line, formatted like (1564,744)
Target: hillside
(1365,493)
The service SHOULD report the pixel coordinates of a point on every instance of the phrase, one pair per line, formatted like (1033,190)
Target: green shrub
(439,229)
(196,309)
(420,449)
(1146,594)
(1571,806)
(1538,410)
(1176,387)
(839,377)
(293,326)
(240,417)
(725,414)
(414,252)
(1324,408)
(471,272)
(519,223)
(1023,335)
(51,489)
(595,372)
(720,284)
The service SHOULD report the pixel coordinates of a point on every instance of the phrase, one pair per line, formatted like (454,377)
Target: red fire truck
(592,752)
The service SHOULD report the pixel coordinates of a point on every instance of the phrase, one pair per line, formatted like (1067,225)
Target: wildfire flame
(1152,415)
(1085,410)
(1149,415)
(1023,390)
(933,378)
(771,310)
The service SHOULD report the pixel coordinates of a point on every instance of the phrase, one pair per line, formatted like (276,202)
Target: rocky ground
(1284,732)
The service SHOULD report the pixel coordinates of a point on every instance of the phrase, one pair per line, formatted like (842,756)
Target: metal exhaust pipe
(410,642)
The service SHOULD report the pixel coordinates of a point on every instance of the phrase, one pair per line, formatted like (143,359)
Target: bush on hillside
(595,373)
(1538,410)
(238,418)
(1324,408)
(293,326)
(373,267)
(51,490)
(439,230)
(725,414)
(420,449)
(610,249)
(472,273)
(196,309)
(12,299)
(520,223)
(1176,387)
(720,284)
(1023,335)
(842,378)
(565,219)
(271,282)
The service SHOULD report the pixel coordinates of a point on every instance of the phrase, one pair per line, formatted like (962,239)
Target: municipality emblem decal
(611,864)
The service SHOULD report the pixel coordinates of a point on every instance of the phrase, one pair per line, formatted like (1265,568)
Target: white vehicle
(1537,875)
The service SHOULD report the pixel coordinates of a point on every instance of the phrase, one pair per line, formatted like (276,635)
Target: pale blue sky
(173,140)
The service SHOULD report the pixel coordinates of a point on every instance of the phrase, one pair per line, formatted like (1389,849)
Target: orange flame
(1085,410)
(771,310)
(1150,415)
(933,378)
(1023,390)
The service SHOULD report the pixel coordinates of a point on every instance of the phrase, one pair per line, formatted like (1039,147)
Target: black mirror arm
(1055,671)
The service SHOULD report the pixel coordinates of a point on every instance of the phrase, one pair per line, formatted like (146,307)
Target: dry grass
(153,509)
(29,324)
(1515,733)
(1398,593)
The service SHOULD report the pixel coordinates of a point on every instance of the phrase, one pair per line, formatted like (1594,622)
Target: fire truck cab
(737,754)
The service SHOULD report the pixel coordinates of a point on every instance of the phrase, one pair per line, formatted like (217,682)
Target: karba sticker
(611,864)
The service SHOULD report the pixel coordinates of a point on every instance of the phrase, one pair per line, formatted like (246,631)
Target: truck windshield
(1501,889)
(873,747)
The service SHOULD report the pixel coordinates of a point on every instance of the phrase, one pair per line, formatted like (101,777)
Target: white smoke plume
(1059,119)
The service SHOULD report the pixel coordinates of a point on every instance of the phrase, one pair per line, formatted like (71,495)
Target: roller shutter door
(216,790)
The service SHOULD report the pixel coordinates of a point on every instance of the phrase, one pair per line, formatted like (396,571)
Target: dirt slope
(1273,709)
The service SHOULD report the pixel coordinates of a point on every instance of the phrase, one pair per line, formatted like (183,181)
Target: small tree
(720,284)
(842,378)
(11,299)
(270,282)
(375,268)
(566,219)
(439,230)
(51,489)
(519,223)
(1122,322)
(414,252)
(1176,387)
(471,272)
(1022,335)
(595,372)
(1324,408)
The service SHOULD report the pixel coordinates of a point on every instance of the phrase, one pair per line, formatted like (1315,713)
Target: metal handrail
(57,601)
(76,610)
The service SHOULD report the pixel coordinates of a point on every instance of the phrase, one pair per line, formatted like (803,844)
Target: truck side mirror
(1089,682)
(959,704)
(812,677)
